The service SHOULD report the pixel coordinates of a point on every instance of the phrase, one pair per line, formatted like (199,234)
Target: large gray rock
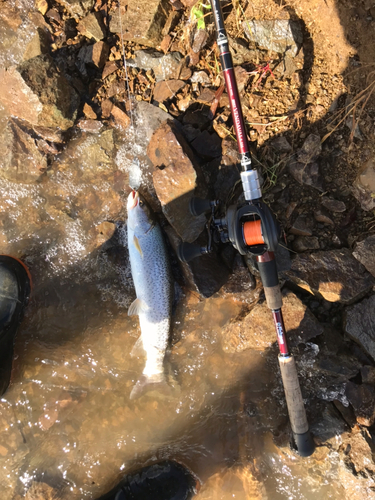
(164,66)
(365,252)
(175,180)
(282,36)
(334,275)
(141,21)
(257,330)
(359,324)
(77,7)
(131,156)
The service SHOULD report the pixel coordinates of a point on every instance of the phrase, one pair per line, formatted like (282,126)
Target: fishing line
(135,160)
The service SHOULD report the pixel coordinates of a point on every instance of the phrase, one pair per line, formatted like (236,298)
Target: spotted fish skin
(152,278)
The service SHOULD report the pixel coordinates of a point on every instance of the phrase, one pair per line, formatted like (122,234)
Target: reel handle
(188,251)
(199,206)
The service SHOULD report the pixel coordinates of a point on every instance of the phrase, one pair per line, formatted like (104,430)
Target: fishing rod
(253,230)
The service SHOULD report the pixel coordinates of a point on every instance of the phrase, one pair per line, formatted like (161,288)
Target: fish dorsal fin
(137,307)
(137,245)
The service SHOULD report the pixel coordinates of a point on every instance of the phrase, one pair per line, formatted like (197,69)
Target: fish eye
(141,203)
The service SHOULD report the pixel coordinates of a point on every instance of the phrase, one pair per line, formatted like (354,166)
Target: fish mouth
(133,199)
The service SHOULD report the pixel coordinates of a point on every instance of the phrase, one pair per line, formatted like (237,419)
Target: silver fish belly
(153,285)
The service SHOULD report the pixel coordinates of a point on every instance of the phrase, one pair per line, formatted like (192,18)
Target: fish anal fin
(138,349)
(137,307)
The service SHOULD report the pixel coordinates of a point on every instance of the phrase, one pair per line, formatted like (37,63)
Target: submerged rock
(359,324)
(175,180)
(142,21)
(282,36)
(35,91)
(334,275)
(365,252)
(21,160)
(257,331)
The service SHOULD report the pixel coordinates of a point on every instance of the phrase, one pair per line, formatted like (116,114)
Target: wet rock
(92,126)
(334,275)
(21,159)
(205,274)
(95,55)
(41,491)
(86,159)
(361,454)
(105,231)
(323,218)
(175,180)
(92,27)
(281,144)
(282,36)
(362,398)
(302,226)
(131,156)
(328,428)
(304,243)
(310,150)
(38,93)
(164,66)
(167,89)
(257,331)
(359,324)
(77,7)
(22,37)
(364,186)
(200,77)
(368,375)
(207,145)
(142,21)
(238,481)
(333,205)
(306,174)
(120,118)
(364,251)
(241,282)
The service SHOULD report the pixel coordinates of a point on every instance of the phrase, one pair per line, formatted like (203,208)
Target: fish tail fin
(148,383)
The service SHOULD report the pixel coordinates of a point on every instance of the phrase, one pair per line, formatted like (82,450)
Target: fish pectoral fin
(137,307)
(137,245)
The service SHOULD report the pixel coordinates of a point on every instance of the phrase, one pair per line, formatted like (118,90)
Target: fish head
(140,217)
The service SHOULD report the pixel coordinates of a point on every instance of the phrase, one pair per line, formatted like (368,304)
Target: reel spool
(251,228)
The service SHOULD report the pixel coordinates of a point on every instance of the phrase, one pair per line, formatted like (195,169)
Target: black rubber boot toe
(15,285)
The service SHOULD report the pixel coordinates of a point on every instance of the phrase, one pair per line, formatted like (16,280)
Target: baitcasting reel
(251,228)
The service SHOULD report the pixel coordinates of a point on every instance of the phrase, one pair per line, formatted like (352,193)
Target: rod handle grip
(296,408)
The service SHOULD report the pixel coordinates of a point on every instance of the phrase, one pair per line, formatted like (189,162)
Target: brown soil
(331,77)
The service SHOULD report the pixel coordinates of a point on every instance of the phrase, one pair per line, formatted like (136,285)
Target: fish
(151,272)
